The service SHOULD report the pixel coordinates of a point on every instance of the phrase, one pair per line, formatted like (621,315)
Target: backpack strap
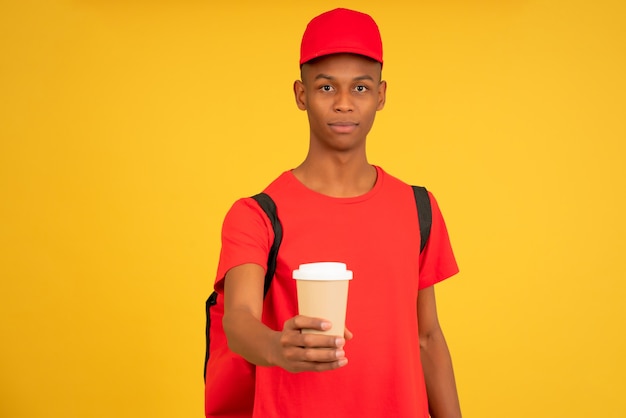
(269,207)
(424,214)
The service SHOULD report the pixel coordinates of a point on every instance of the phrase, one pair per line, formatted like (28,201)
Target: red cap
(341,30)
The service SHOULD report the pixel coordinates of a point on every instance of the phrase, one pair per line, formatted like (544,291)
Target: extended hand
(297,352)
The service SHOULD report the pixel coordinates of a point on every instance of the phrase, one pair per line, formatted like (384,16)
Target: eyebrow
(329,77)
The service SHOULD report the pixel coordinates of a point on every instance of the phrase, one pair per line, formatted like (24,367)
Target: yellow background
(128,128)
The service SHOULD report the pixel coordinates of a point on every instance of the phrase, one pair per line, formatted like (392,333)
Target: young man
(336,206)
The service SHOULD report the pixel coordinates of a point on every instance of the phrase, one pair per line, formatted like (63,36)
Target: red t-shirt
(377,236)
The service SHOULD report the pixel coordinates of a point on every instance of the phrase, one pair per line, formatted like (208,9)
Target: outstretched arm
(260,345)
(443,399)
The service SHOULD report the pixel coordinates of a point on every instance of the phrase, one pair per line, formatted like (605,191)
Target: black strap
(424,213)
(269,207)
(212,300)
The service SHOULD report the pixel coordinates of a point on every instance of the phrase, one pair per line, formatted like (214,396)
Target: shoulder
(393,187)
(246,218)
(248,207)
(244,207)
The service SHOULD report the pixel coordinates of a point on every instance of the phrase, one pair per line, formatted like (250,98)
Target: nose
(343,101)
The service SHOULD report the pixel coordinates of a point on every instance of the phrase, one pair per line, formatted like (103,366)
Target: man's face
(341,94)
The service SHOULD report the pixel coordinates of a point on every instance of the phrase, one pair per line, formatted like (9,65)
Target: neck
(336,176)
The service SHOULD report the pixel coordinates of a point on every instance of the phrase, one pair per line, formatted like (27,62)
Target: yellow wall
(127,129)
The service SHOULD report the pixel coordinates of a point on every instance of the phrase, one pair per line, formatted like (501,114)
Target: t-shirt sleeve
(247,236)
(436,262)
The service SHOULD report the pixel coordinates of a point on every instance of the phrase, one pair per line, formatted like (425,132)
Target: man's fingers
(307,366)
(321,341)
(311,351)
(297,339)
(306,322)
(314,355)
(322,367)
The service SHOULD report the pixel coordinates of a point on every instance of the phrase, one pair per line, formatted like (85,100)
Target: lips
(343,126)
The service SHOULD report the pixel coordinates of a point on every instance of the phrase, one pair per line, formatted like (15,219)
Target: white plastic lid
(323,271)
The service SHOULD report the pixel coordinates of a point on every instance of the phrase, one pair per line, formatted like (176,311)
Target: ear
(382,95)
(299,94)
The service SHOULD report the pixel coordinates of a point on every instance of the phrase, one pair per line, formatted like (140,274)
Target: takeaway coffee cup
(323,293)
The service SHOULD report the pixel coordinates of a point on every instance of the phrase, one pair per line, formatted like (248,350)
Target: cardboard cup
(323,293)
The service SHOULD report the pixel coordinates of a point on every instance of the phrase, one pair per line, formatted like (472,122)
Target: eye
(326,87)
(361,88)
